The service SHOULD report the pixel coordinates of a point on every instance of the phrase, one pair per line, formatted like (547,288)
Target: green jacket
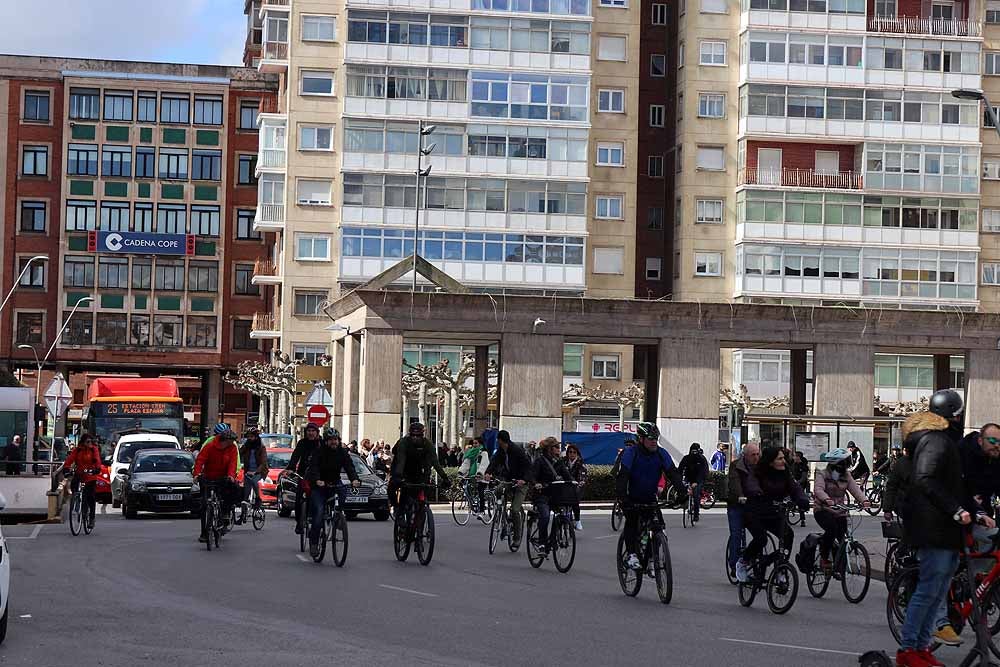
(472,456)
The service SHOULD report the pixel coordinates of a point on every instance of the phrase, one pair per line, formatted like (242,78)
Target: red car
(102,489)
(277,459)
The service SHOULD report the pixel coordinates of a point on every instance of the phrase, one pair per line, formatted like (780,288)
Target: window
(81,216)
(312,247)
(610,100)
(112,272)
(610,207)
(711,158)
(246,172)
(244,225)
(171,219)
(992,65)
(311,355)
(244,280)
(653,267)
(203,277)
(609,260)
(206,165)
(175,108)
(81,160)
(34,277)
(146,108)
(573,360)
(712,53)
(205,220)
(316,137)
(611,154)
(174,164)
(78,271)
(79,330)
(709,211)
(116,161)
(654,217)
(541,97)
(611,47)
(991,273)
(708,264)
(207,110)
(308,303)
(655,166)
(319,28)
(714,6)
(658,64)
(168,330)
(142,273)
(991,219)
(248,114)
(30,328)
(312,193)
(614,3)
(33,216)
(117,106)
(991,168)
(711,105)
(992,16)
(145,162)
(139,330)
(112,329)
(36,106)
(84,104)
(114,216)
(604,366)
(659,14)
(170,274)
(241,335)
(827,163)
(35,161)
(317,82)
(656,113)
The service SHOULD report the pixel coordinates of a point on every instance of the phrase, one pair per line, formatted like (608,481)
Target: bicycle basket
(561,495)
(892,530)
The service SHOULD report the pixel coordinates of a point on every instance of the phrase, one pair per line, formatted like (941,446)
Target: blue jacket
(639,476)
(719,460)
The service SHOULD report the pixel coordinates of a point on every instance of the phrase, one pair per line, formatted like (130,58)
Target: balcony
(271,150)
(281,5)
(269,218)
(930,27)
(265,325)
(274,58)
(801,178)
(266,272)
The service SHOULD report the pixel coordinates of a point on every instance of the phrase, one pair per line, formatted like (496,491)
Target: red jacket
(84,457)
(216,461)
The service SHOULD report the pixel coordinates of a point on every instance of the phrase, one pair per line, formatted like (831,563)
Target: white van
(125,449)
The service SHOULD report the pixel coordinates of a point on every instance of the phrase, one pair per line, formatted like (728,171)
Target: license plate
(357,499)
(169,496)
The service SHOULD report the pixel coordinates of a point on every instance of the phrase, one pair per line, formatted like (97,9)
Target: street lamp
(17,283)
(978,96)
(424,130)
(38,376)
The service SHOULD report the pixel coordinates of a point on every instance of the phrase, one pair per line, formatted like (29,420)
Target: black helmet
(329,432)
(416,428)
(647,430)
(695,448)
(946,403)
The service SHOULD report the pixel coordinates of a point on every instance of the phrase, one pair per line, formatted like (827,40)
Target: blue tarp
(596,448)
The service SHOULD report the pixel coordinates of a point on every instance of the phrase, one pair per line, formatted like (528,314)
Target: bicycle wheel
(461,511)
(75,514)
(209,519)
(708,500)
(325,529)
(630,580)
(338,539)
(400,545)
(305,522)
(535,555)
(900,591)
(564,543)
(856,572)
(496,527)
(730,569)
(747,592)
(875,502)
(892,565)
(489,506)
(662,568)
(258,518)
(88,519)
(817,581)
(216,527)
(617,516)
(991,607)
(686,517)
(782,588)
(425,538)
(514,533)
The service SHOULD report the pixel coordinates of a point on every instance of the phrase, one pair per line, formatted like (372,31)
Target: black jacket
(327,462)
(694,468)
(981,474)
(510,465)
(413,460)
(542,473)
(894,499)
(936,488)
(301,454)
(859,465)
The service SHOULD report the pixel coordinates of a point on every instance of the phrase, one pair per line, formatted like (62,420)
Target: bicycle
(793,515)
(781,582)
(898,554)
(81,514)
(465,502)
(502,525)
(851,564)
(874,494)
(688,516)
(212,515)
(414,525)
(333,530)
(561,542)
(253,505)
(617,516)
(731,569)
(654,554)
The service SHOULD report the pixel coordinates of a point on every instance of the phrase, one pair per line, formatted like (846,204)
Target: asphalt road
(146,593)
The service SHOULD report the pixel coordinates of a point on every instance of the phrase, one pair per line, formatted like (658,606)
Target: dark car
(159,480)
(370,497)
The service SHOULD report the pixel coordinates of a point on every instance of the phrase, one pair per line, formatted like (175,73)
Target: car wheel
(115,504)
(381,515)
(128,511)
(284,512)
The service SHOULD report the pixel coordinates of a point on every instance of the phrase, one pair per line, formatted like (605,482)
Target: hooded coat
(936,488)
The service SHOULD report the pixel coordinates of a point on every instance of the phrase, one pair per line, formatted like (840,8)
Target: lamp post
(424,130)
(978,96)
(17,283)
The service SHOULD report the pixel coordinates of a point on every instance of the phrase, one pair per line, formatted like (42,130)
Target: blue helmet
(221,428)
(835,456)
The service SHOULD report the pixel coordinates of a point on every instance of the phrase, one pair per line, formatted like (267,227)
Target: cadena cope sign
(141,243)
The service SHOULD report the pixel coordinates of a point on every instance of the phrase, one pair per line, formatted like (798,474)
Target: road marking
(34,534)
(302,558)
(791,646)
(408,590)
(606,537)
(25,616)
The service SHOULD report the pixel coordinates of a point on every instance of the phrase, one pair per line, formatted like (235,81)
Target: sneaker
(579,525)
(910,658)
(929,658)
(313,548)
(632,562)
(742,571)
(203,538)
(298,529)
(826,566)
(947,636)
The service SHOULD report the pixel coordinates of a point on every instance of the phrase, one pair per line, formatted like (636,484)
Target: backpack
(805,559)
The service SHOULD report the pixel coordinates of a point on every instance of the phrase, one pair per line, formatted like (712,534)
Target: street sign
(319,396)
(318,414)
(57,396)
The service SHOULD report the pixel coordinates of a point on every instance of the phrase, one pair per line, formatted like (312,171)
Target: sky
(183,31)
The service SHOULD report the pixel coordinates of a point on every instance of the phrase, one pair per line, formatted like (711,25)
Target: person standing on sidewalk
(934,499)
(718,462)
(579,472)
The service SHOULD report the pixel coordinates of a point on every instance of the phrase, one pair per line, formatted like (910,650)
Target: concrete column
(532,372)
(982,386)
(481,417)
(351,380)
(942,371)
(284,424)
(651,354)
(688,396)
(381,393)
(845,380)
(797,390)
(337,381)
(210,397)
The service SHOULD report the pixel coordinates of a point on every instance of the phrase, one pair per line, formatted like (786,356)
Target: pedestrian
(574,461)
(36,452)
(741,483)
(800,471)
(934,502)
(353,447)
(880,463)
(718,462)
(14,454)
(859,464)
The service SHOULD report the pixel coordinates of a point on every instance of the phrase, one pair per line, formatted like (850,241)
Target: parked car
(277,459)
(371,497)
(125,449)
(159,480)
(279,440)
(4,580)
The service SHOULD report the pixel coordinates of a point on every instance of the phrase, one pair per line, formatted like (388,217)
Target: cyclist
(298,463)
(547,468)
(741,484)
(578,469)
(694,471)
(511,463)
(763,513)
(253,455)
(475,460)
(831,486)
(413,459)
(638,482)
(858,465)
(216,464)
(86,456)
(323,475)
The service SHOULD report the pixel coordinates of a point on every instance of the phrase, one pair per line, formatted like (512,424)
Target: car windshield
(276,440)
(360,466)
(128,450)
(277,460)
(166,462)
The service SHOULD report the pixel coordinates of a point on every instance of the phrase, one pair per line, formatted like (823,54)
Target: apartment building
(128,178)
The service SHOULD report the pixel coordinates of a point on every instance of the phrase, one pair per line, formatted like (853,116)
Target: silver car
(159,480)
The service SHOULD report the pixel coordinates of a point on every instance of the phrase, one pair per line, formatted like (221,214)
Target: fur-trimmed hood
(923,421)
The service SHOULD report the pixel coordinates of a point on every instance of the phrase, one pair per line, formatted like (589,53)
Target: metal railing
(273,158)
(277,4)
(801,178)
(264,322)
(28,468)
(271,213)
(265,267)
(916,25)
(275,51)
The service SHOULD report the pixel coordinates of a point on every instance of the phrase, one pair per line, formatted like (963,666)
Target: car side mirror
(380,474)
(124,473)
(106,460)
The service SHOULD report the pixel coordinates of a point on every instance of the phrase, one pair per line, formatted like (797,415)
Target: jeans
(251,481)
(834,527)
(544,515)
(937,567)
(317,503)
(737,537)
(298,503)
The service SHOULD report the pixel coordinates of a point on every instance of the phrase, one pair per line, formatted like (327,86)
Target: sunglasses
(993,441)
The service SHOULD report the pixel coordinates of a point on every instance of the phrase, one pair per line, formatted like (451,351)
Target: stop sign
(318,414)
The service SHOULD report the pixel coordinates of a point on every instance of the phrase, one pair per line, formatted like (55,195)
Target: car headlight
(138,486)
(380,491)
(194,487)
